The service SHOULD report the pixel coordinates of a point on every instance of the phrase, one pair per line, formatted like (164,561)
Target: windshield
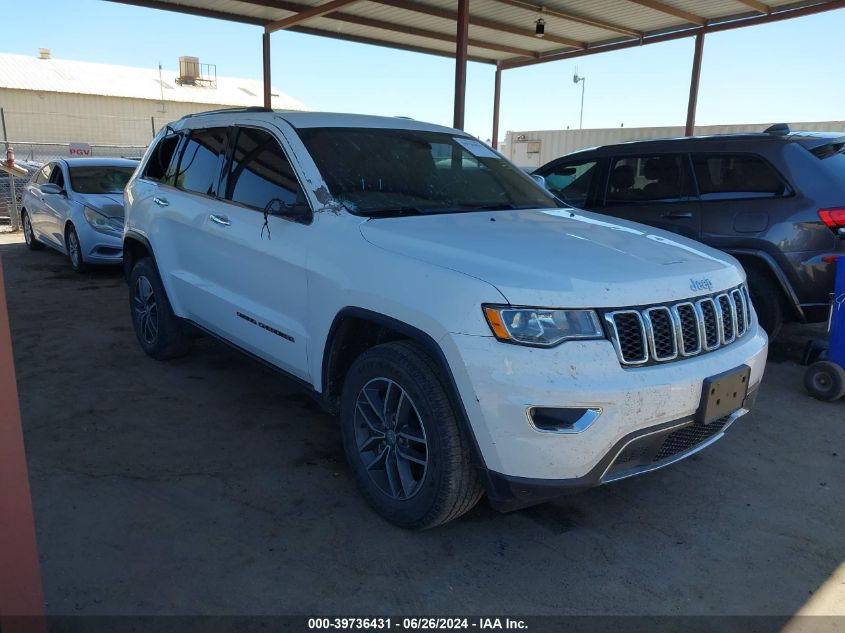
(379,172)
(99,179)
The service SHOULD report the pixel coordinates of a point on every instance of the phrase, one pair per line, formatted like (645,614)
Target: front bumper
(500,383)
(97,247)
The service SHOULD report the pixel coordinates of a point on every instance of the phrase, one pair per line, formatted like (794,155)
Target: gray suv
(774,200)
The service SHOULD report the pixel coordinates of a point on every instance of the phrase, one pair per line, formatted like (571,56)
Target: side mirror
(539,180)
(296,211)
(51,188)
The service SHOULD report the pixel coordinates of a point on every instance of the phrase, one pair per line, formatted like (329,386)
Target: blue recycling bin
(825,379)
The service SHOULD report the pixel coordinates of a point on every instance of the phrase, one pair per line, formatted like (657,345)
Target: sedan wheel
(74,251)
(28,235)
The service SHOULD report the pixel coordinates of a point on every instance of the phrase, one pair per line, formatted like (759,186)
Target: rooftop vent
(192,73)
(45,53)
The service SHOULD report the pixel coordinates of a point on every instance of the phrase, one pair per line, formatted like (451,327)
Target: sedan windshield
(379,172)
(99,179)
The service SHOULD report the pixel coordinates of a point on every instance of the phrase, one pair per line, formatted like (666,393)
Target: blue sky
(787,71)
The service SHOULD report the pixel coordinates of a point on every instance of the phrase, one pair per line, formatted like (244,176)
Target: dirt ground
(210,485)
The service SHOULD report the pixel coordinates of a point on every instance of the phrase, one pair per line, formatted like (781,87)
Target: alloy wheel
(27,229)
(74,249)
(391,439)
(146,309)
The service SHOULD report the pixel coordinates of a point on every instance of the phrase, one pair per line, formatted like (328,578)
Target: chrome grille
(659,334)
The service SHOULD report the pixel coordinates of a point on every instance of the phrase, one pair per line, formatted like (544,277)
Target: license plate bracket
(723,394)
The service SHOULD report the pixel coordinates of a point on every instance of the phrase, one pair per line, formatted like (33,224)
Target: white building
(61,101)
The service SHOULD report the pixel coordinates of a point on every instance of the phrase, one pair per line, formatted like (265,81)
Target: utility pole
(583,81)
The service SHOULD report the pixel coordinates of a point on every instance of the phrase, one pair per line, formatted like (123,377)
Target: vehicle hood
(561,257)
(109,204)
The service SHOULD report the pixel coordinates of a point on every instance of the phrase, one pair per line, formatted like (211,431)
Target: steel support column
(462,41)
(265,41)
(693,86)
(497,94)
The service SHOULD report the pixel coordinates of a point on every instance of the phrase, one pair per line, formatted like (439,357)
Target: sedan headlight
(542,327)
(102,223)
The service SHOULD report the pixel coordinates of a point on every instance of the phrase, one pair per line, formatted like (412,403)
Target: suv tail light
(834,219)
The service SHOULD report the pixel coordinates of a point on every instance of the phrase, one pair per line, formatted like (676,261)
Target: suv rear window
(199,164)
(735,176)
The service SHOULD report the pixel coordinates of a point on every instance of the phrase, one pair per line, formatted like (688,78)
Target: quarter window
(571,182)
(200,160)
(736,176)
(159,162)
(43,174)
(646,179)
(57,177)
(260,173)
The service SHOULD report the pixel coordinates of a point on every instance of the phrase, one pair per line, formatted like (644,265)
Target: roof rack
(227,110)
(780,129)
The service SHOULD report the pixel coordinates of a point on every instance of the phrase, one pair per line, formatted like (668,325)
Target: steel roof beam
(670,10)
(571,17)
(308,14)
(756,5)
(419,7)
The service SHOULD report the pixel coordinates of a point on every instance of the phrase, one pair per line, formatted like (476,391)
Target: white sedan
(76,207)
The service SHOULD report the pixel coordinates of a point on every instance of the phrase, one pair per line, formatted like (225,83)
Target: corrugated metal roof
(21,72)
(502,30)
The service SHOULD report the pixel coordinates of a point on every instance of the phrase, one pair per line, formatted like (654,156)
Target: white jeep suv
(473,333)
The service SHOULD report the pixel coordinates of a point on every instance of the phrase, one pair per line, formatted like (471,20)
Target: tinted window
(57,177)
(260,172)
(99,179)
(723,177)
(646,178)
(160,159)
(198,166)
(571,182)
(395,171)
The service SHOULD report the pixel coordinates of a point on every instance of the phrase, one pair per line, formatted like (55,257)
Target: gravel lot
(210,485)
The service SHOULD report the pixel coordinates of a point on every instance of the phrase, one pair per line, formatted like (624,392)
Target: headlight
(103,223)
(541,326)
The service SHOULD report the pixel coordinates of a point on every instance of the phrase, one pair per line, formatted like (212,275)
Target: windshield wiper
(395,212)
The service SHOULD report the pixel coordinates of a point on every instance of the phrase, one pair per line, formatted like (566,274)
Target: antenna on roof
(780,129)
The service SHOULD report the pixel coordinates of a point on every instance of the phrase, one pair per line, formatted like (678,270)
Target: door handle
(162,202)
(677,214)
(222,220)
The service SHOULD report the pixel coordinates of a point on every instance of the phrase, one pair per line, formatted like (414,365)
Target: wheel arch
(764,260)
(135,246)
(354,330)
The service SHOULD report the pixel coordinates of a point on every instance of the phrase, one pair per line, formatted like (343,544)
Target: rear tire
(407,452)
(825,380)
(767,298)
(161,334)
(32,242)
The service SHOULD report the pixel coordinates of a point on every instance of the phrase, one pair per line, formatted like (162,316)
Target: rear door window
(199,165)
(649,178)
(260,175)
(737,176)
(572,182)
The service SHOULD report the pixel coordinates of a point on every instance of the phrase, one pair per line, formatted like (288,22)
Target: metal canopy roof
(500,31)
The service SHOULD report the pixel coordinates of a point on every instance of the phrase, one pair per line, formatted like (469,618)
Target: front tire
(161,334)
(74,250)
(28,235)
(402,438)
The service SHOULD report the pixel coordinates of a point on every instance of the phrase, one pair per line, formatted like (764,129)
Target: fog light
(562,419)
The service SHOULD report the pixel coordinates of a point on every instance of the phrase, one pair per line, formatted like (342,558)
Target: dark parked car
(774,200)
